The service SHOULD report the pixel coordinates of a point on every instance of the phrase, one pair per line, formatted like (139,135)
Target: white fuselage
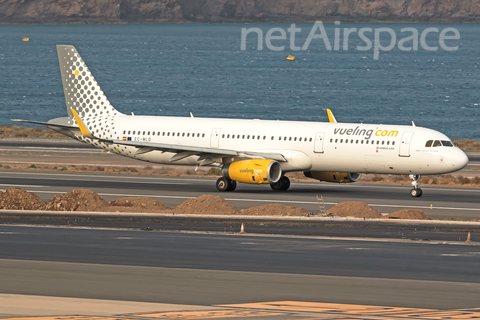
(314,146)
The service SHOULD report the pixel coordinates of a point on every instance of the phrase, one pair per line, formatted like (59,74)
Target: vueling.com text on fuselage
(364,132)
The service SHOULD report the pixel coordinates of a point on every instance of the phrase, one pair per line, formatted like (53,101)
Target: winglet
(80,123)
(331,117)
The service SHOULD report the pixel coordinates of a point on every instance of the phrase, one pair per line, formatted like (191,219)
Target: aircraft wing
(183,151)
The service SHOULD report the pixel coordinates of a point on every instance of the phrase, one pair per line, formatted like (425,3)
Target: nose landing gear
(416,192)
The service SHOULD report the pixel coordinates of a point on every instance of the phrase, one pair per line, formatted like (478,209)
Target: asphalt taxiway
(208,270)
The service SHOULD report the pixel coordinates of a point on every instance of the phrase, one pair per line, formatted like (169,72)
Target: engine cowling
(330,176)
(253,171)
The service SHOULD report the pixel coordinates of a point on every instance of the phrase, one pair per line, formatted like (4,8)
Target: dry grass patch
(25,132)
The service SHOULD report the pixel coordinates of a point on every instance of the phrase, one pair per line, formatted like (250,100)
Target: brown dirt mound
(19,199)
(206,204)
(138,204)
(274,210)
(354,209)
(78,200)
(408,214)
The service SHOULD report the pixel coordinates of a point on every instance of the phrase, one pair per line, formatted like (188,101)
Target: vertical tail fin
(84,95)
(82,92)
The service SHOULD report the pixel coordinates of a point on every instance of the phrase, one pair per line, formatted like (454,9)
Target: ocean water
(174,69)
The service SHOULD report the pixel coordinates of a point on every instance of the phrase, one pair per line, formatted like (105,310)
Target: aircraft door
(215,138)
(405,144)
(318,146)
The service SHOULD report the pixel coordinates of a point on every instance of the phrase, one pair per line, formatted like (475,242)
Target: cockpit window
(437,143)
(447,143)
(429,143)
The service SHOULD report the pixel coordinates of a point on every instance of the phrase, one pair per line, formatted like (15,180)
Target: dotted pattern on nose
(84,95)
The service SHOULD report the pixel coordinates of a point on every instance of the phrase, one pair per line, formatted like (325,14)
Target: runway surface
(203,269)
(437,202)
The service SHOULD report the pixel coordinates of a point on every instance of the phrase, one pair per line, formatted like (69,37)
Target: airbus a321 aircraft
(250,151)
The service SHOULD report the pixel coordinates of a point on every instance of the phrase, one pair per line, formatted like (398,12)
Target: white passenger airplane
(250,151)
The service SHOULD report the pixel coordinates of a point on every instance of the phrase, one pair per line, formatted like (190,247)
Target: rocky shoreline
(237,11)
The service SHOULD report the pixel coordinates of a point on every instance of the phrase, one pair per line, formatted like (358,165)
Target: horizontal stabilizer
(48,124)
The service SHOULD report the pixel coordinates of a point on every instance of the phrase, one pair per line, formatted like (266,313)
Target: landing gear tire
(416,193)
(226,184)
(233,185)
(282,184)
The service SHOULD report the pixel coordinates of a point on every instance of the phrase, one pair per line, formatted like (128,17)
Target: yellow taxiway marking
(207,314)
(63,318)
(352,311)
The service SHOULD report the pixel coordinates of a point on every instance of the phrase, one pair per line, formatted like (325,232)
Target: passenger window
(388,143)
(295,139)
(341,140)
(238,136)
(133,132)
(124,131)
(331,140)
(447,143)
(290,139)
(163,133)
(346,140)
(258,137)
(264,137)
(336,140)
(437,143)
(310,139)
(429,143)
(168,133)
(153,133)
(284,138)
(356,142)
(383,142)
(279,138)
(361,141)
(393,143)
(378,141)
(148,133)
(143,132)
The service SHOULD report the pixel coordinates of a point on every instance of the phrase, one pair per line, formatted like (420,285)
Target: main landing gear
(282,184)
(416,192)
(226,184)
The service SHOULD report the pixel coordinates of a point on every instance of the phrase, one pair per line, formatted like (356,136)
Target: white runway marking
(21,186)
